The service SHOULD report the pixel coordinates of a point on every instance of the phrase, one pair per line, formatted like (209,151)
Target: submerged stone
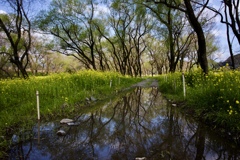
(73,123)
(66,120)
(15,139)
(61,132)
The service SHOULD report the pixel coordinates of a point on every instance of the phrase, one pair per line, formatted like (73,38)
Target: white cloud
(2,12)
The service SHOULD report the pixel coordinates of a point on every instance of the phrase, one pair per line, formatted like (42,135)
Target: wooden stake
(38,109)
(184,87)
(110,83)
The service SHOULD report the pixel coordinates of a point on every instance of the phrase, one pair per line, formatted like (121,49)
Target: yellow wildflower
(66,99)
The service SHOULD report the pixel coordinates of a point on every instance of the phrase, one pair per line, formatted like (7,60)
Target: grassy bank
(60,95)
(215,98)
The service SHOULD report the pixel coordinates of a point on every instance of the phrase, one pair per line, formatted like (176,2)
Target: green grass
(214,98)
(171,85)
(18,98)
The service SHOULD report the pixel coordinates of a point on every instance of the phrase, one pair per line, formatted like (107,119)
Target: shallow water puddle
(141,124)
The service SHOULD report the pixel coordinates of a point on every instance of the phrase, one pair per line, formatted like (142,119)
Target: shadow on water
(139,124)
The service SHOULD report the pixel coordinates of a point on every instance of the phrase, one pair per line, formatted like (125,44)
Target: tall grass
(171,85)
(214,97)
(59,94)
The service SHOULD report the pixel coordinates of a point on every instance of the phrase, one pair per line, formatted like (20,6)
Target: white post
(184,87)
(38,110)
(110,83)
(165,78)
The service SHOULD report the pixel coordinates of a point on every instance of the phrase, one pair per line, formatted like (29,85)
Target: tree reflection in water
(138,124)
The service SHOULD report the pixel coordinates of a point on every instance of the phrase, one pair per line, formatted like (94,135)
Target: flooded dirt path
(140,124)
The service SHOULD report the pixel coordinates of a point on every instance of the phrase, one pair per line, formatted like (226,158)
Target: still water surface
(140,123)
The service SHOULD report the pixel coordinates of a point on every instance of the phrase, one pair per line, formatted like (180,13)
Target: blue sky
(220,32)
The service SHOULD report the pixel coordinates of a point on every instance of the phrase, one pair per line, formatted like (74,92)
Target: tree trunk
(20,68)
(172,66)
(202,51)
(15,38)
(233,14)
(228,39)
